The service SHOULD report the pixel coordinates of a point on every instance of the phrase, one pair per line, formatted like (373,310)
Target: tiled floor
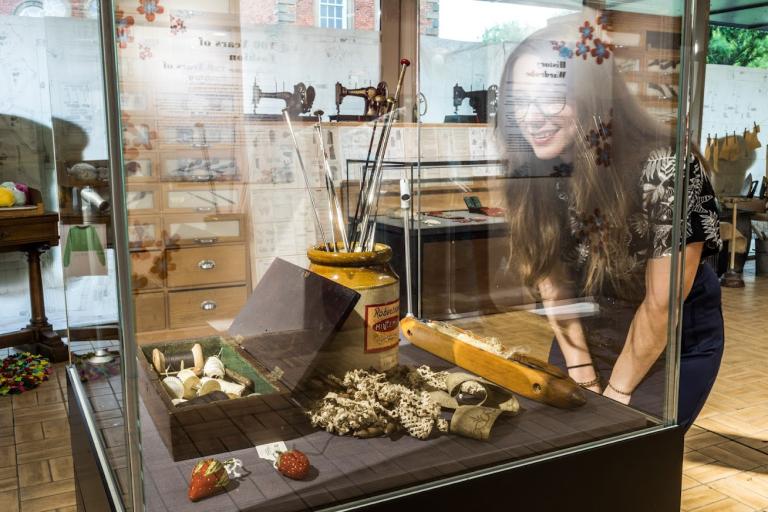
(35,456)
(726,460)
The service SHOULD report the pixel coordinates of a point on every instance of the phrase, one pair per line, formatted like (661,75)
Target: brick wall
(269,12)
(305,13)
(365,15)
(429,17)
(259,12)
(7,6)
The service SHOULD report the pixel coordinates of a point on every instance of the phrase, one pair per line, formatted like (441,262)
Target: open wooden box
(226,425)
(286,322)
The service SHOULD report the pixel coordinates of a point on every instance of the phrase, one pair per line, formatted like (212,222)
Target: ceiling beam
(755,26)
(738,8)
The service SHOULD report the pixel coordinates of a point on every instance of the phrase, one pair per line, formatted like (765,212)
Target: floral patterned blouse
(654,222)
(651,226)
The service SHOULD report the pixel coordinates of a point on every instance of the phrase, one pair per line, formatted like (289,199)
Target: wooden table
(33,235)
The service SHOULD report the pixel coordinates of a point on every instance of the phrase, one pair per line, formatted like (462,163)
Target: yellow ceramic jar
(370,335)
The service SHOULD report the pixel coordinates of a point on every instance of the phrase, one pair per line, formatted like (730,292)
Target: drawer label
(382,323)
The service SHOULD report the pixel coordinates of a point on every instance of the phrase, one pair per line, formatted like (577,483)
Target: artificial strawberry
(208,478)
(293,464)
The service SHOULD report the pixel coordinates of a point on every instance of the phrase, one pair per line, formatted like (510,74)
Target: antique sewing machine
(375,99)
(297,102)
(483,103)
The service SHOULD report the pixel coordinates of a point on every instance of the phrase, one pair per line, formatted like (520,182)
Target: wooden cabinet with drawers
(183,154)
(189,257)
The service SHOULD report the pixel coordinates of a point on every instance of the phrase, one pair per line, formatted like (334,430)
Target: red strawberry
(293,464)
(208,478)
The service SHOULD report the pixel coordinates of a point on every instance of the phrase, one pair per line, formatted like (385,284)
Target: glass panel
(548,250)
(53,139)
(312,239)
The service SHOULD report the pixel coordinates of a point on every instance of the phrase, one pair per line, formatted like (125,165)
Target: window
(333,13)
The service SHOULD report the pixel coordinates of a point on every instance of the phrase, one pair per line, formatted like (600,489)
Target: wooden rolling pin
(524,375)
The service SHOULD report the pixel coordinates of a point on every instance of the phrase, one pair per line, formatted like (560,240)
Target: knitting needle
(371,203)
(333,199)
(363,176)
(287,118)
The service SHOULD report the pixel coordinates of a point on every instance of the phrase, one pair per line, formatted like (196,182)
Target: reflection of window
(333,13)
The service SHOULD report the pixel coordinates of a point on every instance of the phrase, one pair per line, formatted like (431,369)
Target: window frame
(344,13)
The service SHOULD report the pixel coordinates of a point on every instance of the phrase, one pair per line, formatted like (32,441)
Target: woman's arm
(647,336)
(569,332)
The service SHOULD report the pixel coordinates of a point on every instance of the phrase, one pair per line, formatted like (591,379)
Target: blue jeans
(701,350)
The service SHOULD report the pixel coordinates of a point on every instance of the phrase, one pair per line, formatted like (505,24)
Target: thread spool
(239,378)
(213,368)
(174,386)
(170,364)
(231,388)
(190,381)
(208,385)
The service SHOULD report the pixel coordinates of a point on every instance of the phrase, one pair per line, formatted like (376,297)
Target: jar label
(382,322)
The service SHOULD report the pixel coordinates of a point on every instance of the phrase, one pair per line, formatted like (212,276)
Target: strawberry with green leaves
(208,478)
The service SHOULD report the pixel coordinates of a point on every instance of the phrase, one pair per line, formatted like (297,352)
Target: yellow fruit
(6,197)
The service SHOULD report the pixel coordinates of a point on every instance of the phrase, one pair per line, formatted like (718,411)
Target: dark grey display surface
(346,468)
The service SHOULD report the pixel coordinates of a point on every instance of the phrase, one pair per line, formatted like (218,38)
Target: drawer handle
(204,209)
(206,264)
(208,305)
(206,241)
(200,145)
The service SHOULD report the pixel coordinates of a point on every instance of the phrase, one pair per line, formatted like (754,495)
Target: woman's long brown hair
(600,197)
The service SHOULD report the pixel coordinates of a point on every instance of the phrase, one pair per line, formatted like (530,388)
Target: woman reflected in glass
(590,201)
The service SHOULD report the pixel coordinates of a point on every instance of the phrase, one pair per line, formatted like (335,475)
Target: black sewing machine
(297,102)
(375,102)
(483,103)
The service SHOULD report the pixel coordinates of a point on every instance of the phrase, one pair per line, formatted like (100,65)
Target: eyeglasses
(549,104)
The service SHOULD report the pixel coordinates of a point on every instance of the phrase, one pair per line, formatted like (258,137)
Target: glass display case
(409,240)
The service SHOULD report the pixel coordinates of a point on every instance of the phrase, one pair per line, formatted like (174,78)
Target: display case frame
(583,468)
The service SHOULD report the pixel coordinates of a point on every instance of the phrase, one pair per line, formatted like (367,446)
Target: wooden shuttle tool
(521,374)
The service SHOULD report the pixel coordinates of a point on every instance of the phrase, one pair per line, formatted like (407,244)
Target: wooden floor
(726,459)
(35,455)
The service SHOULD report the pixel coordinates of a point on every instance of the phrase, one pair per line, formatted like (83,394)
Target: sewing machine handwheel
(309,98)
(256,95)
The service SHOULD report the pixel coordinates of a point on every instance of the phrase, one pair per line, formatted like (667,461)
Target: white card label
(269,451)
